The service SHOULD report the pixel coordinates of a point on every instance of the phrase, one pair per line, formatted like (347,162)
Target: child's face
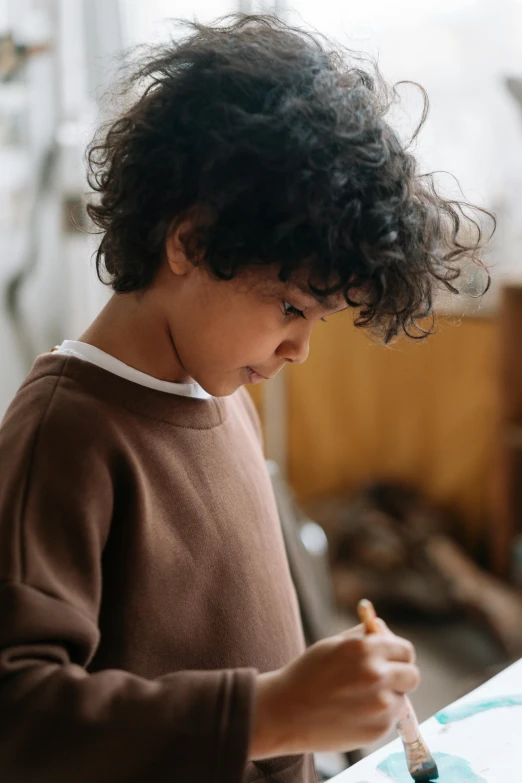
(230,333)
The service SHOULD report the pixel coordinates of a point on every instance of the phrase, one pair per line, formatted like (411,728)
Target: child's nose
(295,350)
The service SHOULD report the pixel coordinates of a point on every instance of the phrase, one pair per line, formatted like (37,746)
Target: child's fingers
(392,648)
(402,677)
(384,643)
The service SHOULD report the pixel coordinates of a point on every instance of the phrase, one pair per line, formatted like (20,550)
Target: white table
(477,739)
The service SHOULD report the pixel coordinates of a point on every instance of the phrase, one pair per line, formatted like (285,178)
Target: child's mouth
(254,377)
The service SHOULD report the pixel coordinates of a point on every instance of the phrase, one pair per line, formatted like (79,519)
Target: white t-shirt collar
(107,362)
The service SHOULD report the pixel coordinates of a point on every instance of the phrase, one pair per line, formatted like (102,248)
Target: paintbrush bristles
(421,764)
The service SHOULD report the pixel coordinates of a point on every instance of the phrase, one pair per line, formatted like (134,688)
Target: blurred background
(398,470)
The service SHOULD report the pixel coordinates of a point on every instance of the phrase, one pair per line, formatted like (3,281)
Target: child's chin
(222,388)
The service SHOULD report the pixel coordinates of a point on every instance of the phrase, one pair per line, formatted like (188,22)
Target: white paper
(482,735)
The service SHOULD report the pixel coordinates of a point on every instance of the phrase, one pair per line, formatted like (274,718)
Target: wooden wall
(423,413)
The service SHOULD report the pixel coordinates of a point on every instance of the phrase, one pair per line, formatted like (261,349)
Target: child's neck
(130,329)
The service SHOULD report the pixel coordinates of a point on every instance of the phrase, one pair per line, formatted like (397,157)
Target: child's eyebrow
(326,302)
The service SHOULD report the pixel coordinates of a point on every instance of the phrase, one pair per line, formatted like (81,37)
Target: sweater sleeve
(58,722)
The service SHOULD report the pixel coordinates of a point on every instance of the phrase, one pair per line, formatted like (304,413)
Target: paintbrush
(421,764)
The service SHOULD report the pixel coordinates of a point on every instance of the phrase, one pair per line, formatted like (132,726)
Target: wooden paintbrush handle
(408,725)
(368,616)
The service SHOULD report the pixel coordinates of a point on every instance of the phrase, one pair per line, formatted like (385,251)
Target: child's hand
(342,693)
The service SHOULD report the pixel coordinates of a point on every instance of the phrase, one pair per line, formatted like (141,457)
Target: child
(150,630)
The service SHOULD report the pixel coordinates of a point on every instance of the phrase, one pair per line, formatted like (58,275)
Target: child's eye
(289,309)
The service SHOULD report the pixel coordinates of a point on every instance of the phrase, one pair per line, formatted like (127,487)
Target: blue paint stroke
(452,769)
(463,711)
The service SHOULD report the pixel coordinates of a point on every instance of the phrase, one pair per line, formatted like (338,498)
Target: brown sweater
(143,581)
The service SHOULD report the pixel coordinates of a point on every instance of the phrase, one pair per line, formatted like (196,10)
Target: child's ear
(175,251)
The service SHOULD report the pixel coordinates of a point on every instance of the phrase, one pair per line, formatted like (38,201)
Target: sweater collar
(187,412)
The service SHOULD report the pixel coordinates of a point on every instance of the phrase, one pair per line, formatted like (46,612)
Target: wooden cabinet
(424,414)
(507,468)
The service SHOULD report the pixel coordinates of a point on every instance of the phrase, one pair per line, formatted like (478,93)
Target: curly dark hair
(274,141)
